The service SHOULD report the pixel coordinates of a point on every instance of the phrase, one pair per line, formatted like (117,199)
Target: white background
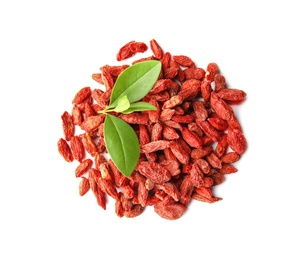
(48,51)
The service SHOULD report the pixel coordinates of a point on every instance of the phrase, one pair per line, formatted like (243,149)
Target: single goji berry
(179,152)
(67,125)
(183,60)
(222,109)
(65,150)
(77,148)
(81,95)
(236,140)
(156,49)
(154,171)
(83,186)
(211,71)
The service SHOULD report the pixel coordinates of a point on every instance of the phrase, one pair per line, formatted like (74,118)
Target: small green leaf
(139,106)
(135,82)
(123,104)
(122,144)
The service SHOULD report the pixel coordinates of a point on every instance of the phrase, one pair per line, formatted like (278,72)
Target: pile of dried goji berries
(187,145)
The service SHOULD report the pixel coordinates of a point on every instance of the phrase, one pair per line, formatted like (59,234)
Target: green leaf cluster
(131,86)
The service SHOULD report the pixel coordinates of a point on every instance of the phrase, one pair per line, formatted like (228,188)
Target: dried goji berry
(83,167)
(186,190)
(107,187)
(108,80)
(77,148)
(156,133)
(197,196)
(83,186)
(166,59)
(203,165)
(230,157)
(119,178)
(154,114)
(130,49)
(89,144)
(211,71)
(196,176)
(200,153)
(194,73)
(135,211)
(156,49)
(221,146)
(190,89)
(81,95)
(206,89)
(170,189)
(183,60)
(77,115)
(97,77)
(172,166)
(142,194)
(232,94)
(170,133)
(115,71)
(161,85)
(92,122)
(67,125)
(209,130)
(125,52)
(228,168)
(200,110)
(172,102)
(135,118)
(183,143)
(155,146)
(171,211)
(179,152)
(138,47)
(128,191)
(65,150)
(222,109)
(154,171)
(191,138)
(220,82)
(236,140)
(218,123)
(214,161)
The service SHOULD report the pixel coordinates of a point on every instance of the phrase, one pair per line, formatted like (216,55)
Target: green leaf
(135,82)
(122,144)
(139,106)
(123,104)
